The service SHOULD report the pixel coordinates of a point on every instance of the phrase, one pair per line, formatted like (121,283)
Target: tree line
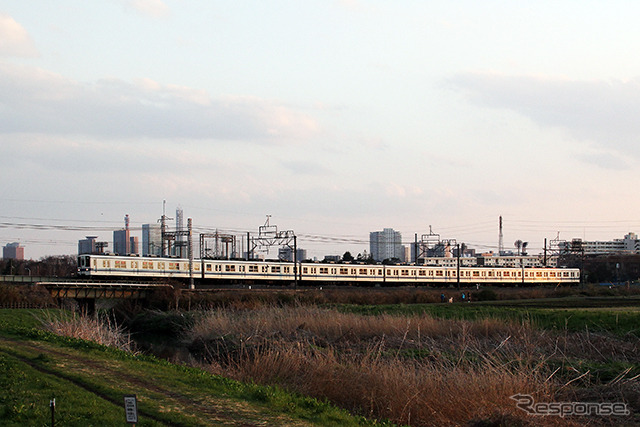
(53,266)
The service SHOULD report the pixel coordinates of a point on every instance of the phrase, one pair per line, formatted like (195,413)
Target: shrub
(485,295)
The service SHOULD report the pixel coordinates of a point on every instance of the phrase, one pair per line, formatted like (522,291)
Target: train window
(404,272)
(254,269)
(275,269)
(324,270)
(380,272)
(229,267)
(491,274)
(538,274)
(423,273)
(305,270)
(565,274)
(353,271)
(552,274)
(161,265)
(439,273)
(344,271)
(134,264)
(333,270)
(476,273)
(287,269)
(363,271)
(196,267)
(546,274)
(208,267)
(430,272)
(174,266)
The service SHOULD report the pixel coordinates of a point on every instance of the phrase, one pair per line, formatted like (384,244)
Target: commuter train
(208,271)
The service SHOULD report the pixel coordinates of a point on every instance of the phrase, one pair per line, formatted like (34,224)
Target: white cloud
(604,112)
(14,39)
(37,101)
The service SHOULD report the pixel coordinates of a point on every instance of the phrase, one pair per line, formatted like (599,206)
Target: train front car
(131,267)
(84,265)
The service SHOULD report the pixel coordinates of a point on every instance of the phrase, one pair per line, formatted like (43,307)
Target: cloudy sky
(335,117)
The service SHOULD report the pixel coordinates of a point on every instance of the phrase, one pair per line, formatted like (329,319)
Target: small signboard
(131,408)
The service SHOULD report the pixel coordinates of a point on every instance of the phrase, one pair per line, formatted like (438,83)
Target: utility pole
(458,265)
(500,239)
(295,260)
(190,251)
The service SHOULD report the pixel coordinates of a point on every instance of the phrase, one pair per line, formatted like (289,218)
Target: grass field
(295,362)
(89,381)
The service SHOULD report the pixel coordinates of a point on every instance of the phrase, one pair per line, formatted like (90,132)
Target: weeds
(98,329)
(415,369)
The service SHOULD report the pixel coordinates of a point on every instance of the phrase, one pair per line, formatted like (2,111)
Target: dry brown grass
(414,370)
(99,329)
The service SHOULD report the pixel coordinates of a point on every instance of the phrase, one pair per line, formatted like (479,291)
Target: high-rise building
(122,239)
(133,245)
(151,240)
(121,242)
(87,246)
(13,251)
(386,244)
(285,253)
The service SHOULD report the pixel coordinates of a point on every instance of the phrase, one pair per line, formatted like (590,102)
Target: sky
(334,117)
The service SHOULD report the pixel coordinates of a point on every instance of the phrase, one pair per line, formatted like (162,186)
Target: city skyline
(337,118)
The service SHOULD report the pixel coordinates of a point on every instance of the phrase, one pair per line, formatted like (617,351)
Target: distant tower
(500,239)
(121,239)
(180,242)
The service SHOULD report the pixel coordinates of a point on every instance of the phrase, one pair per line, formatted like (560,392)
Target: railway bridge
(86,293)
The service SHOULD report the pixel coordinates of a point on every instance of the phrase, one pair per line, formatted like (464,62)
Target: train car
(206,271)
(135,267)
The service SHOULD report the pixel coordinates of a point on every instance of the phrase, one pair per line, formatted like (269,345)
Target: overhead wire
(464,232)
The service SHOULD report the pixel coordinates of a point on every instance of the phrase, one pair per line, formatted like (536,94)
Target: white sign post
(131,408)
